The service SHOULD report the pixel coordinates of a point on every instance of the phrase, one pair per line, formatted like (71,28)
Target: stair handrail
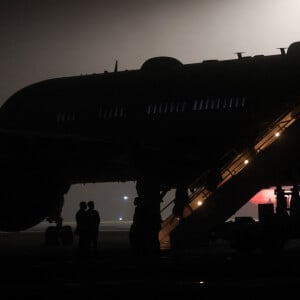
(266,139)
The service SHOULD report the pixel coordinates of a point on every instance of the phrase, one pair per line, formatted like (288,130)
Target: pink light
(264,196)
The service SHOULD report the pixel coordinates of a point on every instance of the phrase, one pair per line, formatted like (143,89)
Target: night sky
(47,39)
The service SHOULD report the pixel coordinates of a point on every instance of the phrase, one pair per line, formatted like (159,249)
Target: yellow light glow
(246,161)
(277,134)
(199,203)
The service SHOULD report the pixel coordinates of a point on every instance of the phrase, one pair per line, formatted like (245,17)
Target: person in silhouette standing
(181,200)
(281,202)
(81,230)
(93,226)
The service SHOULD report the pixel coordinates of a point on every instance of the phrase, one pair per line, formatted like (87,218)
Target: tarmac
(30,269)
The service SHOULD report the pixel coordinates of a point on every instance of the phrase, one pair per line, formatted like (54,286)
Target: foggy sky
(46,39)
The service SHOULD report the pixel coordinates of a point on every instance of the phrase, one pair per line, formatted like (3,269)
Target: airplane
(162,125)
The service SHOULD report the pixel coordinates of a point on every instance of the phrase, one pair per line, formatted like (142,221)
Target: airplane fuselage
(167,119)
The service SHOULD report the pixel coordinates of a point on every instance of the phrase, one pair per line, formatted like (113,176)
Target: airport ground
(32,270)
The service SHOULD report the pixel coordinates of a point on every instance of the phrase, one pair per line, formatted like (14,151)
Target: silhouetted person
(82,229)
(281,201)
(181,200)
(295,203)
(93,226)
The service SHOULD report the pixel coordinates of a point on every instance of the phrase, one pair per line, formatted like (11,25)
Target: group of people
(87,228)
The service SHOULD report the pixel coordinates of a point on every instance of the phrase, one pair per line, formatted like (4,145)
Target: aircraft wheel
(51,236)
(66,235)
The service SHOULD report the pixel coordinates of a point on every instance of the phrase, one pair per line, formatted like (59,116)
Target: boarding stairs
(199,193)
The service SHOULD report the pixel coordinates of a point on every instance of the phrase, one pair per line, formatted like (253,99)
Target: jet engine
(28,199)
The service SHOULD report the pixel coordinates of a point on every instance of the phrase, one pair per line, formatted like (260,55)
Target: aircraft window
(195,105)
(149,109)
(105,113)
(211,104)
(218,103)
(206,103)
(198,104)
(171,107)
(230,102)
(160,108)
(177,107)
(183,106)
(154,108)
(110,112)
(180,107)
(70,116)
(65,116)
(243,101)
(121,111)
(237,101)
(201,104)
(166,107)
(116,113)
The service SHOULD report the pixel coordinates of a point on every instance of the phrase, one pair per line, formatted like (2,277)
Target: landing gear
(51,236)
(58,234)
(146,220)
(66,235)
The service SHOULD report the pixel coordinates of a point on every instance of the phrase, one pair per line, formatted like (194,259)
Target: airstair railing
(232,168)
